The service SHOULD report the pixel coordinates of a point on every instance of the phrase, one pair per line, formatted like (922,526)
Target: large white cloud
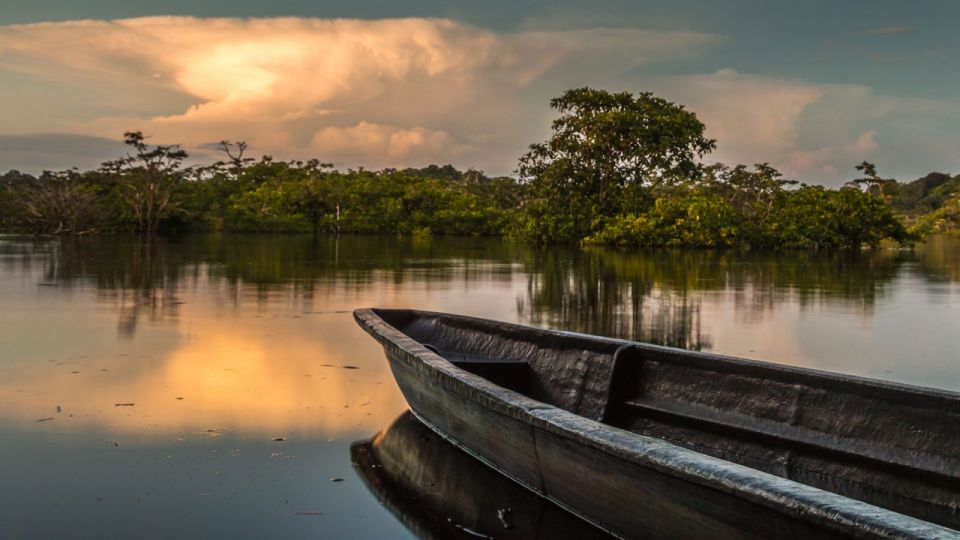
(814,131)
(369,92)
(399,92)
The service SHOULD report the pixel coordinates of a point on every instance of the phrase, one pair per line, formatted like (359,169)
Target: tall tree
(148,178)
(606,151)
(872,182)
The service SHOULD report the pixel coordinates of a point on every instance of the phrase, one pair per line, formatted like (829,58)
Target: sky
(811,87)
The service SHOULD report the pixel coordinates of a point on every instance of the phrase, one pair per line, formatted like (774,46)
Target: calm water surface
(144,387)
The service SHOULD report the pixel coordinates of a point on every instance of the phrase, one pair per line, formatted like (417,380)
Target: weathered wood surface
(539,427)
(440,492)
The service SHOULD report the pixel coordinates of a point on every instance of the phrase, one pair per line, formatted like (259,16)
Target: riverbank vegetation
(619,169)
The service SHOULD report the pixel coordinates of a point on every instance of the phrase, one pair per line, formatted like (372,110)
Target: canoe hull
(629,485)
(437,490)
(619,496)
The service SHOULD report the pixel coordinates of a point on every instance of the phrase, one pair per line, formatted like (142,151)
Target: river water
(211,386)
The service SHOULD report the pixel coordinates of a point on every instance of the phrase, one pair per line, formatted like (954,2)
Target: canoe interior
(886,444)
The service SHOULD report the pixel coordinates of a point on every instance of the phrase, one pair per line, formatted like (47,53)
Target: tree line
(618,168)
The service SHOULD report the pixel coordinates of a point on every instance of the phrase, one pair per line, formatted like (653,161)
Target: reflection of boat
(438,491)
(626,433)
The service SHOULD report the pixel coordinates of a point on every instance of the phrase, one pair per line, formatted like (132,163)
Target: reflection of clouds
(245,375)
(235,325)
(243,340)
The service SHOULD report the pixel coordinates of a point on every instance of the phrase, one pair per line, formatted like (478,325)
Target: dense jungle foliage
(618,169)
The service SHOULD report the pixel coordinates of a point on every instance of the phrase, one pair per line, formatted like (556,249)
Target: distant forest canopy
(619,168)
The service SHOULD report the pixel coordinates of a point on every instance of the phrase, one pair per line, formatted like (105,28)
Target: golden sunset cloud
(370,92)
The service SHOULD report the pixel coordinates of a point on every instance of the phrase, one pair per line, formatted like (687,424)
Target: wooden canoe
(624,433)
(438,491)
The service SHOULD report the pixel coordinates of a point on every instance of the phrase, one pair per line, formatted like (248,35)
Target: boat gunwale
(789,497)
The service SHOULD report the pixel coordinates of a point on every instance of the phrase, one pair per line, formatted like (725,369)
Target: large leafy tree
(148,178)
(608,151)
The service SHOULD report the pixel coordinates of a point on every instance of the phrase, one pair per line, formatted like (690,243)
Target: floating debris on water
(180,398)
(309,513)
(279,439)
(123,404)
(58,408)
(45,419)
(349,367)
(336,479)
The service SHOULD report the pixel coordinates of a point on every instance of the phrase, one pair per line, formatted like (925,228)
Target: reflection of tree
(605,292)
(145,294)
(656,295)
(939,260)
(133,273)
(649,295)
(144,278)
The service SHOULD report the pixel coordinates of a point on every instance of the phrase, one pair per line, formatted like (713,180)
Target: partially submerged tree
(148,179)
(751,193)
(607,151)
(60,204)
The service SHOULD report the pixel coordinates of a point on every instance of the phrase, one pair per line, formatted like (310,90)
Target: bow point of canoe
(647,440)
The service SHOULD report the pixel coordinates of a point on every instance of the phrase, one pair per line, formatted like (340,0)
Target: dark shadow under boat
(622,432)
(438,491)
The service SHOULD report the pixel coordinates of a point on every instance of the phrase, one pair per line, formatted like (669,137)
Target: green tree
(60,203)
(606,153)
(873,183)
(149,178)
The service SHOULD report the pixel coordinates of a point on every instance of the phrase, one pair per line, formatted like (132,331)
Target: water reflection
(251,320)
(438,491)
(254,333)
(657,295)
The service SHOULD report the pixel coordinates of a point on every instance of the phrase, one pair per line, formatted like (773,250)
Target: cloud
(51,151)
(812,131)
(362,91)
(399,92)
(886,30)
(395,143)
(747,114)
